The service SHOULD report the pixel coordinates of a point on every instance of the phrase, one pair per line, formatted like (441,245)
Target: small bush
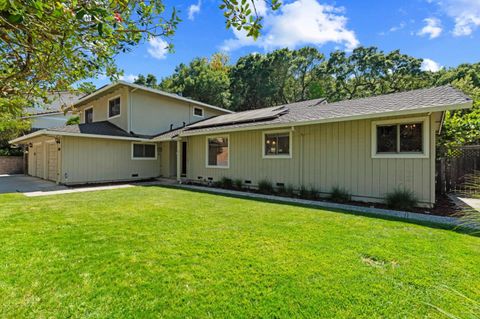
(290,191)
(340,195)
(303,193)
(402,199)
(314,193)
(265,187)
(226,182)
(281,189)
(238,183)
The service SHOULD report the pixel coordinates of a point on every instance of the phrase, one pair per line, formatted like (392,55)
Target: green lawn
(159,252)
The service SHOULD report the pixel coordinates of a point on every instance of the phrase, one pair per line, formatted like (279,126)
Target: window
(88,115)
(404,138)
(197,111)
(218,152)
(144,151)
(114,107)
(277,145)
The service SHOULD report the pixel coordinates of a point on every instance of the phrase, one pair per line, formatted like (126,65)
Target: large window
(144,151)
(218,152)
(277,145)
(406,138)
(114,107)
(88,115)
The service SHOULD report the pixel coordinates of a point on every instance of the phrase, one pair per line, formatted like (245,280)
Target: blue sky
(446,32)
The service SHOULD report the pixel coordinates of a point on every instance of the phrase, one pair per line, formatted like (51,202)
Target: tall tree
(203,80)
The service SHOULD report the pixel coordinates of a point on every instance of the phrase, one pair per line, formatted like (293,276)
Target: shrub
(238,183)
(265,187)
(402,199)
(226,182)
(281,189)
(290,191)
(303,193)
(339,194)
(314,193)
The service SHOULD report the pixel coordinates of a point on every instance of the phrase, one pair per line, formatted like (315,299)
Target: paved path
(23,183)
(472,202)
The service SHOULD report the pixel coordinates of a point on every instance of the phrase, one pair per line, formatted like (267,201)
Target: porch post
(179,159)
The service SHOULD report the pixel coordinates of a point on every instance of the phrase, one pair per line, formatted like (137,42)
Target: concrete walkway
(76,190)
(471,202)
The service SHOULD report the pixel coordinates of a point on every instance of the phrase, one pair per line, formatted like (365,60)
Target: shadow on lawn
(458,229)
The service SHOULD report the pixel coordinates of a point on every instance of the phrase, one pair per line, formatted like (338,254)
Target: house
(369,146)
(50,115)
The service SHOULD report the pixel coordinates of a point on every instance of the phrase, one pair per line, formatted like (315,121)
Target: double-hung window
(401,138)
(218,151)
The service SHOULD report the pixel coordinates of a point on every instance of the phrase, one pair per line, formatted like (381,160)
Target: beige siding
(324,155)
(90,160)
(168,159)
(153,114)
(100,108)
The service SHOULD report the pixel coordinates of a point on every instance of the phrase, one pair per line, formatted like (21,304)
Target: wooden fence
(455,170)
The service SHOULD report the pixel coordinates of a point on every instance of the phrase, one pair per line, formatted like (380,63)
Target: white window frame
(200,108)
(290,144)
(84,115)
(144,158)
(108,107)
(228,149)
(425,136)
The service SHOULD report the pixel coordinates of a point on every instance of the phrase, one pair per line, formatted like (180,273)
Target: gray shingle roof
(57,100)
(96,128)
(410,102)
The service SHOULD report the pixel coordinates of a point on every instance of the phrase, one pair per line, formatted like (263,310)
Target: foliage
(73,120)
(204,80)
(243,15)
(471,216)
(402,199)
(49,45)
(177,253)
(339,194)
(87,87)
(11,127)
(238,183)
(265,187)
(226,182)
(150,80)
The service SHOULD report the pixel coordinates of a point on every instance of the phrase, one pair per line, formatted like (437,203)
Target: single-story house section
(368,146)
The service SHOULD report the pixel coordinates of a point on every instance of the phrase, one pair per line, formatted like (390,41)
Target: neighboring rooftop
(57,101)
(313,111)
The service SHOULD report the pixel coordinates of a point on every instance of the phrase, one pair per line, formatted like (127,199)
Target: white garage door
(52,158)
(32,164)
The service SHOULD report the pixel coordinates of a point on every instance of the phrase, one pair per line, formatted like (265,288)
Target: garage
(43,160)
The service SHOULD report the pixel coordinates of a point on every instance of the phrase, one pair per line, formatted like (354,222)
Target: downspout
(129,109)
(179,158)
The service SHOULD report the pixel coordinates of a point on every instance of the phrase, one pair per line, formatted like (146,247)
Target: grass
(158,252)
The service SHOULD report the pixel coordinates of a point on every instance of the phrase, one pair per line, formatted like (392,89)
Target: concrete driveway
(23,184)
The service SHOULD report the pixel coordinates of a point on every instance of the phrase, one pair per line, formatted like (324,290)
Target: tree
(203,80)
(49,45)
(73,120)
(140,80)
(11,127)
(151,81)
(87,87)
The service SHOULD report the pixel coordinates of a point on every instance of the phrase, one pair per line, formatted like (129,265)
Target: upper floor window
(114,107)
(404,138)
(277,145)
(88,114)
(198,111)
(218,152)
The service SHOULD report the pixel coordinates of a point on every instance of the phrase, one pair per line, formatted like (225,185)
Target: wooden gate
(455,170)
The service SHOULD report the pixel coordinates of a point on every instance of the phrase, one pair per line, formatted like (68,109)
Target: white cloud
(432,28)
(194,9)
(128,77)
(158,48)
(430,65)
(398,27)
(298,23)
(466,14)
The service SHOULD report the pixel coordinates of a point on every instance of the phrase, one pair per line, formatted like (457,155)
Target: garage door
(32,164)
(52,161)
(39,160)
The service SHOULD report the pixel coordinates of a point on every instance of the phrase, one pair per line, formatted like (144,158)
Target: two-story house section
(114,140)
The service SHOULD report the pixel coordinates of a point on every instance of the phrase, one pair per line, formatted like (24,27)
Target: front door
(184,159)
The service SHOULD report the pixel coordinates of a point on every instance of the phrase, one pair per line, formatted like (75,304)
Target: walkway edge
(443,220)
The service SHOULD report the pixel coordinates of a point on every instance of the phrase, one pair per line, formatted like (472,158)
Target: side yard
(154,251)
